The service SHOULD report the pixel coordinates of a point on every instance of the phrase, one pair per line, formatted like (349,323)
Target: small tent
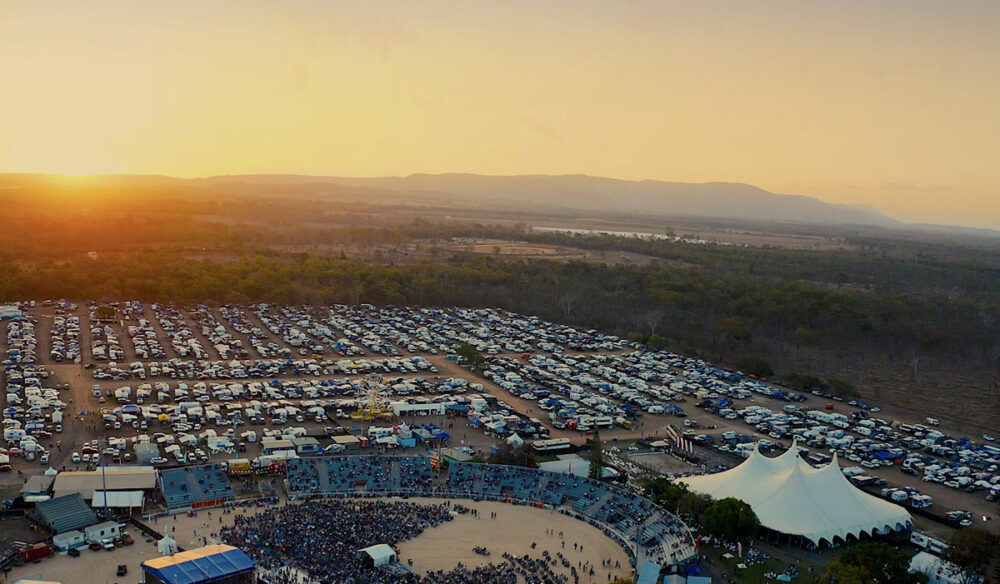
(379,555)
(166,546)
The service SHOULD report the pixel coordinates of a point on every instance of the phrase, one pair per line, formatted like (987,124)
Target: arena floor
(513,531)
(441,548)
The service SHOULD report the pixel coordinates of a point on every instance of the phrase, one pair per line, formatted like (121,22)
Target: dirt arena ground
(441,548)
(513,531)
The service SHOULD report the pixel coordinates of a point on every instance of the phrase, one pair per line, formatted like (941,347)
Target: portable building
(274,446)
(96,533)
(348,441)
(306,445)
(69,540)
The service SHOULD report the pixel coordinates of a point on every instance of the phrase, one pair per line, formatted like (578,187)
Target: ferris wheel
(373,398)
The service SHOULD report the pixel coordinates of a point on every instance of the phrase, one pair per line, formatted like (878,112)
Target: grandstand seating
(354,473)
(66,513)
(627,513)
(191,485)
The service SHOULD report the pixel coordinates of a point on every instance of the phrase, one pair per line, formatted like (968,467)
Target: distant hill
(532,192)
(729,200)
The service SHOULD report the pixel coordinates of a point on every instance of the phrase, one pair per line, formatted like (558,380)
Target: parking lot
(196,380)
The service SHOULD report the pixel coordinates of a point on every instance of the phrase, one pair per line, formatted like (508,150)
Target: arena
(467,523)
(501,528)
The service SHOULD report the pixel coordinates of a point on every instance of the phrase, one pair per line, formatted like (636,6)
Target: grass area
(779,559)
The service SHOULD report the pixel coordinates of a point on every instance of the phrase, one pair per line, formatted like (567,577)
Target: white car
(75,457)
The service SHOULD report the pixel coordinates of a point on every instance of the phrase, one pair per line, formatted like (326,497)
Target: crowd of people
(322,538)
(512,570)
(621,513)
(317,542)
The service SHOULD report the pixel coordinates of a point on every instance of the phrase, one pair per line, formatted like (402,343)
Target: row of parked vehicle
(104,344)
(143,334)
(873,443)
(32,412)
(286,324)
(21,341)
(162,392)
(222,341)
(236,318)
(180,430)
(623,386)
(182,338)
(64,338)
(262,368)
(491,331)
(569,405)
(343,330)
(376,330)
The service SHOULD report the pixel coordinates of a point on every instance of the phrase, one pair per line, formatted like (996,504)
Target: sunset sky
(893,104)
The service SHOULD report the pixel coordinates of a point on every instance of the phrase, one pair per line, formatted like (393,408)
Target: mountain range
(523,192)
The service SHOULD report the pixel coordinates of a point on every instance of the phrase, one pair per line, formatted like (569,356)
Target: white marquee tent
(122,499)
(791,497)
(938,571)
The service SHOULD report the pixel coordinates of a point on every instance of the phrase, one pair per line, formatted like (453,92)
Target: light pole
(104,479)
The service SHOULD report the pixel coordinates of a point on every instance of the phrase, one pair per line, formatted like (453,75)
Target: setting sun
(848,101)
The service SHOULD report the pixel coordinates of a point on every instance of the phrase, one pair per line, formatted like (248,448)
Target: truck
(35,553)
(239,467)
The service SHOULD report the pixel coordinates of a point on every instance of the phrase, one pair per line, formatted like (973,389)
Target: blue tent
(649,573)
(205,564)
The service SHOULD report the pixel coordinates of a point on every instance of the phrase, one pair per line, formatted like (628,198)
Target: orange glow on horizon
(889,104)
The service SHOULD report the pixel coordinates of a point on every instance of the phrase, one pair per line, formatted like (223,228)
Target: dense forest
(897,317)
